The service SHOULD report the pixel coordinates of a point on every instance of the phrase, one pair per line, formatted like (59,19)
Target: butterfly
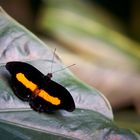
(42,93)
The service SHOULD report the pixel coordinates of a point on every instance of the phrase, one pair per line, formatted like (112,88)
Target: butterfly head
(48,76)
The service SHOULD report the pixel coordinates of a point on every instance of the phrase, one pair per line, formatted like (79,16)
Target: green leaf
(92,118)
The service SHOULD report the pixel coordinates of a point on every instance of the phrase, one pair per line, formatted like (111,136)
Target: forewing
(31,73)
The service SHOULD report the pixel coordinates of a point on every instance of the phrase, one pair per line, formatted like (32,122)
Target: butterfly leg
(36,104)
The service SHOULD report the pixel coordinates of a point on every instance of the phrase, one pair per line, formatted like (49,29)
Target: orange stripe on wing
(34,88)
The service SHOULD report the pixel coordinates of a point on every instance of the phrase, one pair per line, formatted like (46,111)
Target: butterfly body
(42,93)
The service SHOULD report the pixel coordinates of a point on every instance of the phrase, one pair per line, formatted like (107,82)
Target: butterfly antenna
(52,60)
(64,68)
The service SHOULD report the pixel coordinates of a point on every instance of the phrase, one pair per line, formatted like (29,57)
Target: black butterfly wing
(20,90)
(29,71)
(57,90)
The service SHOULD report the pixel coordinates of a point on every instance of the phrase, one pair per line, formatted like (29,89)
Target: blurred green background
(101,37)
